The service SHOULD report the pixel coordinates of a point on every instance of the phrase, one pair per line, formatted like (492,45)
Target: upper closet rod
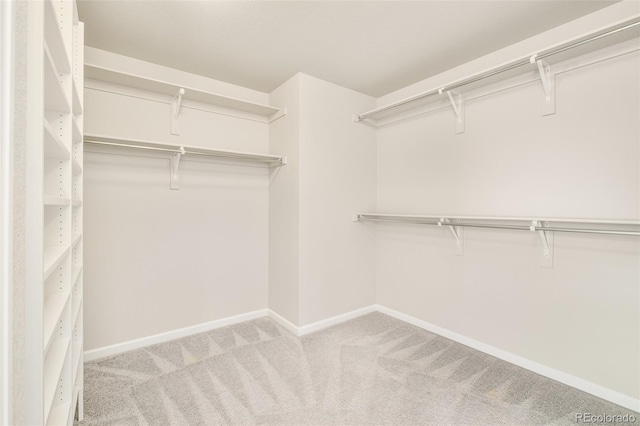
(491,73)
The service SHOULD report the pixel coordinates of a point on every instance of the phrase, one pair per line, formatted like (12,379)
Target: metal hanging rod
(496,71)
(183,150)
(453,222)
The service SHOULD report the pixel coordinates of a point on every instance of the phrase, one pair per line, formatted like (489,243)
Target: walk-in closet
(315,213)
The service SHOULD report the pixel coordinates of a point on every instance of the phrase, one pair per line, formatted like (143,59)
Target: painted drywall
(157,259)
(284,201)
(320,265)
(337,179)
(580,317)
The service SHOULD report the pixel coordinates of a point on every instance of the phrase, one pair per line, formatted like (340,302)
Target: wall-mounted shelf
(179,151)
(77,133)
(77,103)
(54,40)
(53,308)
(76,167)
(536,62)
(55,99)
(52,200)
(54,362)
(544,227)
(53,145)
(99,73)
(53,255)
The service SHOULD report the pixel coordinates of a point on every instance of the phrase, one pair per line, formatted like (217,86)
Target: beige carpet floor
(372,370)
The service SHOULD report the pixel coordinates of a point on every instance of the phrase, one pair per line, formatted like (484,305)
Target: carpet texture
(372,370)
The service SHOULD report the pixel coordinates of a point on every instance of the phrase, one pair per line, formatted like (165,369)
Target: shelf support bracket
(458,234)
(546,239)
(548,81)
(457,103)
(175,168)
(176,104)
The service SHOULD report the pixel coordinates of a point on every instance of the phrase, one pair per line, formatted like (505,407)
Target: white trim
(284,322)
(170,335)
(6,209)
(320,325)
(568,379)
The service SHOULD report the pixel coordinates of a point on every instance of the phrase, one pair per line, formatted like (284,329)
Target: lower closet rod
(515,227)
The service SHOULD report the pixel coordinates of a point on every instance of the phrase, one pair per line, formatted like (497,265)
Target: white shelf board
(53,307)
(76,311)
(76,203)
(53,145)
(77,133)
(557,53)
(59,414)
(95,72)
(52,200)
(76,274)
(53,366)
(53,255)
(76,167)
(221,153)
(55,98)
(76,239)
(54,39)
(76,369)
(77,104)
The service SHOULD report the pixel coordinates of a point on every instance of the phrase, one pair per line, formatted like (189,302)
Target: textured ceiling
(373,47)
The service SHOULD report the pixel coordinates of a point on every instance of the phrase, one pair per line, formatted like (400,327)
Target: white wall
(582,316)
(158,259)
(320,264)
(337,180)
(284,199)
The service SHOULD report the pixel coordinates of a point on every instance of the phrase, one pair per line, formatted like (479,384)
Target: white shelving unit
(535,64)
(54,237)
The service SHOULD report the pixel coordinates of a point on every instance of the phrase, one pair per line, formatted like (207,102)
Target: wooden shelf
(54,40)
(53,308)
(152,85)
(55,98)
(53,145)
(53,255)
(53,366)
(52,200)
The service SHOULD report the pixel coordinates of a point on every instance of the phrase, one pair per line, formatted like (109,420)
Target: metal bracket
(458,234)
(457,103)
(176,104)
(548,81)
(175,168)
(546,238)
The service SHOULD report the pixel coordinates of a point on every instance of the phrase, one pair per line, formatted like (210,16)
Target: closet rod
(213,153)
(496,71)
(515,227)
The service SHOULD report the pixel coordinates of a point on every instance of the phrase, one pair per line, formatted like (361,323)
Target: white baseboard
(568,379)
(319,325)
(284,322)
(170,335)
